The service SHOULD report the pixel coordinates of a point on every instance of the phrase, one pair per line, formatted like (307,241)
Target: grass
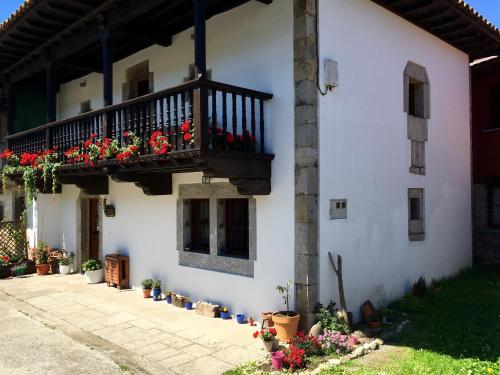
(454,330)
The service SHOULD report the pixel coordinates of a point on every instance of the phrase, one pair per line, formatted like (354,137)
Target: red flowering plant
(10,157)
(309,344)
(187,130)
(266,334)
(108,148)
(245,142)
(159,143)
(295,358)
(132,149)
(4,261)
(92,150)
(73,155)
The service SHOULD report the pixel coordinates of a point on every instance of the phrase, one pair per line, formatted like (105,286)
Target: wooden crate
(116,269)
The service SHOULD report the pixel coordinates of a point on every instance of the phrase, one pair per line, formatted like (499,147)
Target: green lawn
(455,330)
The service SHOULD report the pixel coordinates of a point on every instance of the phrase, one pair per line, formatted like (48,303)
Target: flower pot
(268,318)
(224,315)
(42,269)
(64,270)
(146,292)
(189,305)
(95,277)
(269,346)
(4,272)
(240,318)
(286,323)
(277,360)
(251,322)
(156,294)
(168,299)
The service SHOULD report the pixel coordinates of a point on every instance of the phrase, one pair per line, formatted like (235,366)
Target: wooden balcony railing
(224,118)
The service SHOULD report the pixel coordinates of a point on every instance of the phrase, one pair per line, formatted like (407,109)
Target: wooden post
(50,92)
(107,67)
(338,271)
(200,54)
(9,92)
(200,117)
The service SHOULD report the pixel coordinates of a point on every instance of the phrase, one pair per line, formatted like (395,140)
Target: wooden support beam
(90,184)
(50,92)
(9,92)
(107,66)
(200,47)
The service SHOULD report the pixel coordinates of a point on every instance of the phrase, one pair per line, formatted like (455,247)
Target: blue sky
(488,8)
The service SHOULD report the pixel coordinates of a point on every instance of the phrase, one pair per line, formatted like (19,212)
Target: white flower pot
(64,270)
(95,277)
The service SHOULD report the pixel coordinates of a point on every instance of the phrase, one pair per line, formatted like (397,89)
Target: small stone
(373,345)
(316,330)
(334,362)
(366,346)
(358,352)
(379,341)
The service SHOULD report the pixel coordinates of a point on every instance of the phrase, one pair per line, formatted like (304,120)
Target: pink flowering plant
(337,342)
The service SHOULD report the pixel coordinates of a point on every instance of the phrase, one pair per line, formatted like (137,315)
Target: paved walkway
(170,339)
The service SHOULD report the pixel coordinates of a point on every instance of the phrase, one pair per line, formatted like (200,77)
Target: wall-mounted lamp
(109,209)
(331,74)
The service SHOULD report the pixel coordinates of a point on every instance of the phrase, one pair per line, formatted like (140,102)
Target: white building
(378,169)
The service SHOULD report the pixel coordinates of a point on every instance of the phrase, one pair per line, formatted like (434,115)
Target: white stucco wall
(240,51)
(365,155)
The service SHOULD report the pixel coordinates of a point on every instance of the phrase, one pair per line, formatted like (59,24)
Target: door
(93,229)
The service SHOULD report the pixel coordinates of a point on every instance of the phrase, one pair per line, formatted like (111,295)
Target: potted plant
(19,269)
(286,321)
(93,271)
(156,290)
(189,304)
(240,318)
(42,259)
(65,265)
(251,321)
(268,337)
(4,267)
(147,285)
(168,296)
(224,312)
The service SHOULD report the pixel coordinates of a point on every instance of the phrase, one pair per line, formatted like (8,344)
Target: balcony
(227,139)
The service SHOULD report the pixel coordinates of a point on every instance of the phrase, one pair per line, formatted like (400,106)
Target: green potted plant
(168,296)
(19,269)
(42,259)
(156,290)
(147,285)
(94,272)
(65,265)
(189,304)
(268,337)
(286,322)
(224,312)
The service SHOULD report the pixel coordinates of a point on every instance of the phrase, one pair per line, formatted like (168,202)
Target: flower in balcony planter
(132,149)
(159,143)
(187,129)
(108,148)
(11,158)
(73,155)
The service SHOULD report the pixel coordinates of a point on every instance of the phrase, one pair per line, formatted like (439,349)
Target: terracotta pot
(42,269)
(268,317)
(286,323)
(146,292)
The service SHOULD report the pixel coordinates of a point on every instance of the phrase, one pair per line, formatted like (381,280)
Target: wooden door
(93,229)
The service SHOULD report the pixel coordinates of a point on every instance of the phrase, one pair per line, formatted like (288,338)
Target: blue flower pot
(224,315)
(189,305)
(240,318)
(168,299)
(156,294)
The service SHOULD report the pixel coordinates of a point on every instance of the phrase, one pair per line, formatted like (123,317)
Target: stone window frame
(417,125)
(416,227)
(135,74)
(214,261)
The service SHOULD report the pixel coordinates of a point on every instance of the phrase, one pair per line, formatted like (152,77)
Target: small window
(19,207)
(416,98)
(496,106)
(200,226)
(139,81)
(143,87)
(495,207)
(85,106)
(236,228)
(416,214)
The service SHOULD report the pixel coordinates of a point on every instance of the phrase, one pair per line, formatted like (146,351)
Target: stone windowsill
(218,263)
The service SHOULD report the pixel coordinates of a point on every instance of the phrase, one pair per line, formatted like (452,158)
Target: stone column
(306,159)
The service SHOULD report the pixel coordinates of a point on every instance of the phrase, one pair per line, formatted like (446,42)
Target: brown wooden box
(116,270)
(178,300)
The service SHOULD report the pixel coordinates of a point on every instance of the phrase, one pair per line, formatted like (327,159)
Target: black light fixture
(109,209)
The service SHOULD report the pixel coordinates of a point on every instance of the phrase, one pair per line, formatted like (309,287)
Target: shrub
(336,342)
(147,284)
(156,284)
(309,344)
(294,358)
(419,288)
(92,265)
(5,260)
(266,334)
(19,269)
(65,261)
(408,303)
(330,320)
(42,253)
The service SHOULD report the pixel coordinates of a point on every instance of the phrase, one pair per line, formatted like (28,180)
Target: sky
(488,8)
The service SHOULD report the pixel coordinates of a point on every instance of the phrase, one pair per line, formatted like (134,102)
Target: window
(216,228)
(19,207)
(85,106)
(200,226)
(496,106)
(139,81)
(417,106)
(416,214)
(235,224)
(495,207)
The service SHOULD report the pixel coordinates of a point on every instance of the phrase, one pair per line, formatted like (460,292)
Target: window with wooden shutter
(199,221)
(236,228)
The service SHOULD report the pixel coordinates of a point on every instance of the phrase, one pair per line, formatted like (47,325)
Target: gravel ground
(30,347)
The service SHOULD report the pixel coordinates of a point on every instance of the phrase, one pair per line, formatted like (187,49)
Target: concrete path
(152,337)
(30,347)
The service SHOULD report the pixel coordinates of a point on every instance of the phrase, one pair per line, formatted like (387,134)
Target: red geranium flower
(187,136)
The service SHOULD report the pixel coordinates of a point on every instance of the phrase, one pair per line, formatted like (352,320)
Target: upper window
(496,106)
(495,207)
(139,81)
(416,98)
(416,91)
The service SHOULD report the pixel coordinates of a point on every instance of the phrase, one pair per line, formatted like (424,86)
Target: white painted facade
(364,157)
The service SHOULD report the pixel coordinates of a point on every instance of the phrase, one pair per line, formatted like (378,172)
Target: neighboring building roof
(453,21)
(23,8)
